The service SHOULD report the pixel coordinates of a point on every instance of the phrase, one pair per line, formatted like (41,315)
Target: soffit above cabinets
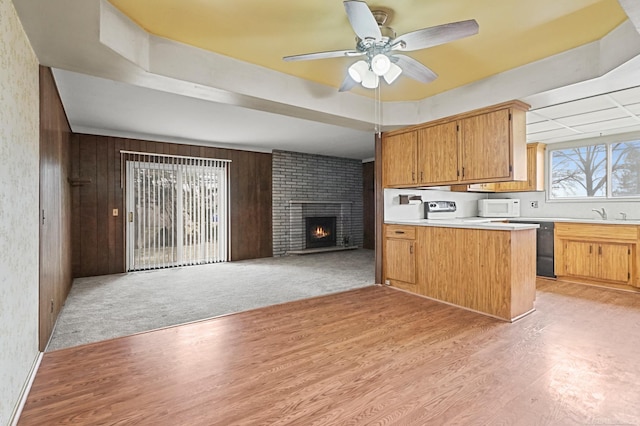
(601,115)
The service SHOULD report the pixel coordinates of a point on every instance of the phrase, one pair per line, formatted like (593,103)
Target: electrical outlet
(534,204)
(387,282)
(115,212)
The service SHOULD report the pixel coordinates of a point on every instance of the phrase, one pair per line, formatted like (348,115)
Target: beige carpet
(108,306)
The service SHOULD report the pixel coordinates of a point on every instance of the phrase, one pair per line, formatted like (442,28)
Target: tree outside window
(625,176)
(583,172)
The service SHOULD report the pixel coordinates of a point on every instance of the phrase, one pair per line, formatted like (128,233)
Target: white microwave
(499,207)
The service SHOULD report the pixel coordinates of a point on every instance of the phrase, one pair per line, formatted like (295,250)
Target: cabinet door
(535,172)
(578,259)
(398,159)
(400,263)
(438,154)
(448,264)
(613,262)
(485,151)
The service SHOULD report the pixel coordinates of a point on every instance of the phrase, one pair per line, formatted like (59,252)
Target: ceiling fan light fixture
(369,80)
(393,73)
(380,64)
(358,70)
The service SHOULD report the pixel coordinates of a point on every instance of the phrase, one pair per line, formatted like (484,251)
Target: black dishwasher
(544,248)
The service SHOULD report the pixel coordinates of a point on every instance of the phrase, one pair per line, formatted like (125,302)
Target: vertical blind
(177,210)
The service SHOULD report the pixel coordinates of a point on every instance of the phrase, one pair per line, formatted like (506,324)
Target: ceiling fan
(379,44)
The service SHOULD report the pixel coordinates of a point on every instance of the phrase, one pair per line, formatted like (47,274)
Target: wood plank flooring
(369,356)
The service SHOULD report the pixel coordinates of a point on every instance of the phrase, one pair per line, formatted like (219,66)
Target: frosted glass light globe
(380,64)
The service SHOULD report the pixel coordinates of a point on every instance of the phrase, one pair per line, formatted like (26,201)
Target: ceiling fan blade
(414,69)
(323,55)
(362,20)
(434,36)
(347,84)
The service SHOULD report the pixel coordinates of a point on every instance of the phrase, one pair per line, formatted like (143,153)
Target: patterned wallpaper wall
(19,141)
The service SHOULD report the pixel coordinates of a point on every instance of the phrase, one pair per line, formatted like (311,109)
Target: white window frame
(608,141)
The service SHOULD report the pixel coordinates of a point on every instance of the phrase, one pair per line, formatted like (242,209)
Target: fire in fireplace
(320,231)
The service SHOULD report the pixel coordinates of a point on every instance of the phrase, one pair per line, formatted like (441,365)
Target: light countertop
(499,224)
(577,220)
(469,222)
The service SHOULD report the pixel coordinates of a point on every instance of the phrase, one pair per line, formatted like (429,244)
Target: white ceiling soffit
(97,108)
(168,58)
(64,36)
(632,9)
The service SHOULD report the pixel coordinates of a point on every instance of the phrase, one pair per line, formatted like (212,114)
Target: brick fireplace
(306,185)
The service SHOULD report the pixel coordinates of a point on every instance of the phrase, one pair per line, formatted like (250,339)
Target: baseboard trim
(24,393)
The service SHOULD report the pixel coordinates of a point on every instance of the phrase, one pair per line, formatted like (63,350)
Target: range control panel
(440,206)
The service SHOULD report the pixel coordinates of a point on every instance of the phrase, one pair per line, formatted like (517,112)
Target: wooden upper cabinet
(438,154)
(484,147)
(535,172)
(488,145)
(399,159)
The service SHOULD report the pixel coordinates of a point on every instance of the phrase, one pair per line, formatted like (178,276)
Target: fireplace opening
(320,231)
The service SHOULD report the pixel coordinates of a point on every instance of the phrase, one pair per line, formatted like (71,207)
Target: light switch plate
(115,212)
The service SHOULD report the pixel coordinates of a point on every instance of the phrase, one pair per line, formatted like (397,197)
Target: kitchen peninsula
(487,267)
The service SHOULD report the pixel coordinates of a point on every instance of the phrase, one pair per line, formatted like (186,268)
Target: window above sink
(595,171)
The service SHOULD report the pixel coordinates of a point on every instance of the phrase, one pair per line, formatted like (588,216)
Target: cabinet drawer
(400,231)
(596,231)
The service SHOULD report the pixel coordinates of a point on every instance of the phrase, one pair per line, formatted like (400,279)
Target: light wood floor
(369,356)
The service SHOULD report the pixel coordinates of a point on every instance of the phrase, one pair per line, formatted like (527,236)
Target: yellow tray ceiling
(512,33)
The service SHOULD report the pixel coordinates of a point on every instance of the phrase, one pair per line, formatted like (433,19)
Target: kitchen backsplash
(467,203)
(578,210)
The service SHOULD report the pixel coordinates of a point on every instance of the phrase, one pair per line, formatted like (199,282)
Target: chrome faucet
(603,213)
(624,215)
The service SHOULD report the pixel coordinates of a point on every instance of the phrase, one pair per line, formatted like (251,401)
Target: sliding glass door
(177,211)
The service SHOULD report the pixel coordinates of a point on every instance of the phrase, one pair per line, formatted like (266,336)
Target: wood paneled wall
(379,201)
(369,205)
(98,236)
(55,206)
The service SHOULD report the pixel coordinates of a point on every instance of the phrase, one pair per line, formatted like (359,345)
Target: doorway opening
(177,211)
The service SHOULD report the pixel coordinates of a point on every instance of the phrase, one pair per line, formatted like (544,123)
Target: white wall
(466,203)
(19,141)
(577,209)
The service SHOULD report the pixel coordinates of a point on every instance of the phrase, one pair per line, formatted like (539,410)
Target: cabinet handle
(399,232)
(413,176)
(590,249)
(421,178)
(463,172)
(599,249)
(411,249)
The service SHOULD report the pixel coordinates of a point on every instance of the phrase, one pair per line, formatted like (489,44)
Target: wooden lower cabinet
(614,262)
(489,271)
(597,253)
(400,257)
